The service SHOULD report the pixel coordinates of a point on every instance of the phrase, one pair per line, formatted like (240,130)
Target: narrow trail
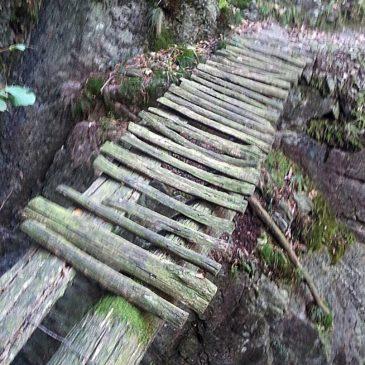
(206,140)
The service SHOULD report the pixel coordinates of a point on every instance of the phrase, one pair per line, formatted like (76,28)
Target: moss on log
(110,279)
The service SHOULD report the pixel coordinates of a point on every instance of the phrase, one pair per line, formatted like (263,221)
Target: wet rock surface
(71,40)
(338,174)
(192,20)
(250,321)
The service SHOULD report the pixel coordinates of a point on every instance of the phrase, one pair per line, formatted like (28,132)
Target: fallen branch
(279,236)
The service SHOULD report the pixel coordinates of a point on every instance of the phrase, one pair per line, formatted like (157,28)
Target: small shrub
(130,88)
(274,258)
(324,321)
(164,40)
(157,85)
(93,86)
(338,134)
(241,4)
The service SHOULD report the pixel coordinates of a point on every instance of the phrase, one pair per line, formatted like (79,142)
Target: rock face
(192,20)
(71,39)
(256,321)
(339,175)
(343,286)
(251,321)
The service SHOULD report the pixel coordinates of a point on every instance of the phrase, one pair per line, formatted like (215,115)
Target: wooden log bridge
(204,145)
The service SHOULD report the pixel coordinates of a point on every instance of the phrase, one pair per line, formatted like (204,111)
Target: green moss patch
(326,231)
(318,229)
(124,311)
(164,40)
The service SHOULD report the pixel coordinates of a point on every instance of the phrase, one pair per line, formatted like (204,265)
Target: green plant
(323,320)
(278,165)
(241,4)
(164,40)
(341,134)
(15,95)
(157,85)
(156,20)
(274,257)
(187,57)
(223,5)
(130,88)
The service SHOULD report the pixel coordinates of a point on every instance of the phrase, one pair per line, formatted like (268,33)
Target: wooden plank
(271,51)
(258,87)
(264,78)
(122,255)
(223,182)
(261,116)
(176,128)
(107,167)
(143,165)
(232,47)
(214,120)
(247,174)
(228,58)
(250,119)
(253,95)
(110,279)
(122,339)
(116,218)
(33,301)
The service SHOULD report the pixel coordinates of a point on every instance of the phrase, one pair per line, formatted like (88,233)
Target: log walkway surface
(206,142)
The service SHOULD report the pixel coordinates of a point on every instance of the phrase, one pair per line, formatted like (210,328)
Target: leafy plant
(223,4)
(164,40)
(323,320)
(156,20)
(274,257)
(130,88)
(15,95)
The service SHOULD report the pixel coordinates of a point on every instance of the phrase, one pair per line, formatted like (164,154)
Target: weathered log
(261,116)
(259,121)
(107,167)
(109,333)
(115,217)
(124,256)
(255,76)
(110,279)
(178,133)
(270,51)
(112,332)
(233,55)
(173,122)
(283,44)
(167,224)
(264,89)
(212,109)
(27,293)
(228,58)
(279,236)
(252,95)
(232,47)
(245,174)
(149,168)
(213,121)
(223,182)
